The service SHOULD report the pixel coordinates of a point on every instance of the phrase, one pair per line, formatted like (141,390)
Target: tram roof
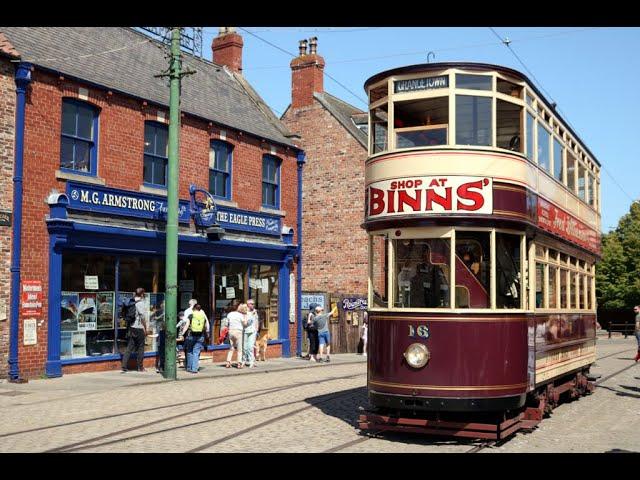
(428,67)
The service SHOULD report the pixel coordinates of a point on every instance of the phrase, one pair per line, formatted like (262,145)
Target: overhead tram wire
(507,42)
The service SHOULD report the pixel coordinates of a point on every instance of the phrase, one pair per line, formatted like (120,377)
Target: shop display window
(230,289)
(263,289)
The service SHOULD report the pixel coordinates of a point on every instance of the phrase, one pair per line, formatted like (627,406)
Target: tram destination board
(417,84)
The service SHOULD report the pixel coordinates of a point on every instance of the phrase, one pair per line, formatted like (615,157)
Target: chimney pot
(313,45)
(302,46)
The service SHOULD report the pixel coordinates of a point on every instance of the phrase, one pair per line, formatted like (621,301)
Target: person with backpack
(312,333)
(197,326)
(135,313)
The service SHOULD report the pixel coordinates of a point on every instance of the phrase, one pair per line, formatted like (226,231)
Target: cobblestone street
(293,407)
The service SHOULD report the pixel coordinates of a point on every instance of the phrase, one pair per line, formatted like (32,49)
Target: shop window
(581,181)
(473,120)
(379,120)
(530,138)
(508,259)
(474,82)
(508,126)
(422,274)
(79,137)
(563,289)
(270,181)
(86,313)
(541,286)
(156,154)
(472,270)
(230,289)
(421,123)
(263,288)
(509,88)
(544,138)
(557,159)
(220,169)
(379,268)
(571,172)
(553,293)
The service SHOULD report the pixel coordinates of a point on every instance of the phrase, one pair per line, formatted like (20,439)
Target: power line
(317,30)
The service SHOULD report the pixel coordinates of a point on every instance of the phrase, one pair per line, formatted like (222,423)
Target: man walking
(197,325)
(136,314)
(321,321)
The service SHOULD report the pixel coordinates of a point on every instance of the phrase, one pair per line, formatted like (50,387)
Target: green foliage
(618,273)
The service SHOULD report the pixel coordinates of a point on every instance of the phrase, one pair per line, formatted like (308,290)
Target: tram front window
(421,123)
(422,273)
(472,270)
(379,268)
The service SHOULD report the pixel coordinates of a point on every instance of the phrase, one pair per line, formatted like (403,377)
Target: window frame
(156,124)
(93,150)
(278,164)
(228,173)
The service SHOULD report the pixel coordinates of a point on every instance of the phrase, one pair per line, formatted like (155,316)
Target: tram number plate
(419,331)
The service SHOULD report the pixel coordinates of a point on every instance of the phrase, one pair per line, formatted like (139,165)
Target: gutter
(22,79)
(300,162)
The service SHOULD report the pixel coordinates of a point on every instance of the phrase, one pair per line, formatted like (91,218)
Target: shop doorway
(194,281)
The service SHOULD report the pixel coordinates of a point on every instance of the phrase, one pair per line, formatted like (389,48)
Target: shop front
(105,243)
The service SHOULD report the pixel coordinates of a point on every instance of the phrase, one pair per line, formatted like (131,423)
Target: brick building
(7,132)
(334,136)
(94,203)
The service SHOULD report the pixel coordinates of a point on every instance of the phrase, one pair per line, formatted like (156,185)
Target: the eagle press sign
(429,195)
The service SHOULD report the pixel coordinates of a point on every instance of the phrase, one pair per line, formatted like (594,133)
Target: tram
(483,216)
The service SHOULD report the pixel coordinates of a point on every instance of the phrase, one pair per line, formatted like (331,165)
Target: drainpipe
(23,77)
(301,160)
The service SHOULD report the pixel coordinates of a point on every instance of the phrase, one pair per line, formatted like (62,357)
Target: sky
(591,73)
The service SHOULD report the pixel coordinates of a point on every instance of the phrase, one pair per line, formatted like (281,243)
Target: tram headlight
(417,355)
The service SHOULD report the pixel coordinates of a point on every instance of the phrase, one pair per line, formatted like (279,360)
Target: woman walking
(249,334)
(236,321)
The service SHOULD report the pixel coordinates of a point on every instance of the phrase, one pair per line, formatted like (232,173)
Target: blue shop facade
(106,242)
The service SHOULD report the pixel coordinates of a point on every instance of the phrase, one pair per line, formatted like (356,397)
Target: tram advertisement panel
(557,221)
(426,195)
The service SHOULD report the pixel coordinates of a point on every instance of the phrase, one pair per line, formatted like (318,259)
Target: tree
(618,274)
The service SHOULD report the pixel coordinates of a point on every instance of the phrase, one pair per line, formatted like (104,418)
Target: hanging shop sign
(31,301)
(5,219)
(555,220)
(430,195)
(417,84)
(354,303)
(111,201)
(246,221)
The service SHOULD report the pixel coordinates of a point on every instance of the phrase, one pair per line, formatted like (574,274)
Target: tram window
(553,255)
(575,290)
(540,252)
(377,93)
(564,258)
(472,270)
(422,273)
(379,268)
(508,127)
(591,192)
(509,88)
(530,139)
(581,184)
(421,122)
(379,119)
(588,305)
(540,285)
(474,82)
(473,120)
(563,288)
(553,294)
(544,138)
(529,100)
(557,159)
(571,172)
(508,271)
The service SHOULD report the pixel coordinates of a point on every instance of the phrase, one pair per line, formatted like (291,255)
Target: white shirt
(252,321)
(234,320)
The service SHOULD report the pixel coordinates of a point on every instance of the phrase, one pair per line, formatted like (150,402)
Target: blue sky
(591,73)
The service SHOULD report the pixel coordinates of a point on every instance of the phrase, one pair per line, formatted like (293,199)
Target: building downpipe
(301,161)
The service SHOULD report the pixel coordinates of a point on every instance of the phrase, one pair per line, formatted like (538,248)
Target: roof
(125,60)
(6,48)
(345,114)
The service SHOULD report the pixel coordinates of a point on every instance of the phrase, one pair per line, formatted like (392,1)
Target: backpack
(129,312)
(197,322)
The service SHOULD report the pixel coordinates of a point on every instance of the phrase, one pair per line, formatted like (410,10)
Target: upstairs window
(473,120)
(474,82)
(581,181)
(557,160)
(421,123)
(591,194)
(220,169)
(508,126)
(544,138)
(156,154)
(530,138)
(571,172)
(78,151)
(270,181)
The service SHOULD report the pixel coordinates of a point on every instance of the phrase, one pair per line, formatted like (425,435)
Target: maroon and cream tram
(482,209)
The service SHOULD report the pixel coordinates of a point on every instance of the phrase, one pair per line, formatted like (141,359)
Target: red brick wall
(7,133)
(120,160)
(334,246)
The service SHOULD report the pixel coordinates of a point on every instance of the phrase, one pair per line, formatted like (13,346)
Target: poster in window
(87,312)
(123,297)
(69,312)
(105,310)
(79,342)
(184,299)
(66,348)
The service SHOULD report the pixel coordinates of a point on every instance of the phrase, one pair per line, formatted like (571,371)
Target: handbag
(223,335)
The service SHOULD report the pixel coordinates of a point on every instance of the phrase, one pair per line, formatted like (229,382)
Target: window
(379,120)
(581,181)
(529,100)
(270,181)
(263,289)
(507,271)
(541,285)
(155,154)
(473,120)
(530,139)
(509,88)
(474,82)
(377,93)
(557,159)
(421,122)
(575,290)
(79,137)
(508,125)
(472,270)
(563,288)
(544,138)
(379,267)
(571,172)
(591,194)
(220,169)
(553,295)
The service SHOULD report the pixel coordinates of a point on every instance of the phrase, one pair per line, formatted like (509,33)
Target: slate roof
(6,48)
(345,114)
(127,61)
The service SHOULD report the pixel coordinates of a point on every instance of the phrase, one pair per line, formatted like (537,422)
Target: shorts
(324,338)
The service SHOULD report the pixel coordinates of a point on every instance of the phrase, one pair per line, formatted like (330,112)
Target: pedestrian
(321,321)
(364,334)
(312,333)
(249,334)
(189,309)
(180,339)
(236,320)
(637,330)
(136,314)
(196,329)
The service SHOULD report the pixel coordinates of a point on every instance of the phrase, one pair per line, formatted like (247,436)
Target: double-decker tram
(482,209)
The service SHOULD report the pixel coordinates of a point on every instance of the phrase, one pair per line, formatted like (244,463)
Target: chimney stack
(227,49)
(306,74)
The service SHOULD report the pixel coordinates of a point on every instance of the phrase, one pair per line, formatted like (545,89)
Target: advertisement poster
(87,312)
(69,312)
(105,310)
(79,342)
(30,333)
(31,299)
(66,349)
(123,297)
(91,282)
